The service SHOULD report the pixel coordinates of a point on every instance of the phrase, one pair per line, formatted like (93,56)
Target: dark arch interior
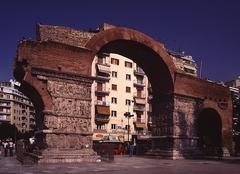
(153,65)
(210,130)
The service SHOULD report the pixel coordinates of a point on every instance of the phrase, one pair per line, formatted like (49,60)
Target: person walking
(11,146)
(5,147)
(131,149)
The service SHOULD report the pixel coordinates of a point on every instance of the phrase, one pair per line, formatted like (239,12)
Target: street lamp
(128,115)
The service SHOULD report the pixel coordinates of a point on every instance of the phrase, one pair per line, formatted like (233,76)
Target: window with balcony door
(114,100)
(114,61)
(99,86)
(113,113)
(139,93)
(128,76)
(128,64)
(128,102)
(114,74)
(113,126)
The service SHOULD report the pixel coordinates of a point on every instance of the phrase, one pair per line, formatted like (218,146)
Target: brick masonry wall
(63,35)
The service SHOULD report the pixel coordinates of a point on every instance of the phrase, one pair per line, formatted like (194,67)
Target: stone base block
(65,156)
(175,154)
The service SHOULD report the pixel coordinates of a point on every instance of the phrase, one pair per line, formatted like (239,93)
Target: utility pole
(128,115)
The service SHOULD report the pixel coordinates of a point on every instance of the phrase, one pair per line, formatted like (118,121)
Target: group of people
(127,148)
(8,146)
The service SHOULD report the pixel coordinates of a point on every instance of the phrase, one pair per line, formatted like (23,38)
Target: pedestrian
(11,146)
(131,149)
(5,147)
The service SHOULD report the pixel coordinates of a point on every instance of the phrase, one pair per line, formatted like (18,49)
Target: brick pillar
(66,133)
(174,133)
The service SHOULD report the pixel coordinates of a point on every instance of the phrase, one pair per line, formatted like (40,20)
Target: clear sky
(209,30)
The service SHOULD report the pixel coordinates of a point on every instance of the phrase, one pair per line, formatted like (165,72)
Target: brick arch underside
(150,55)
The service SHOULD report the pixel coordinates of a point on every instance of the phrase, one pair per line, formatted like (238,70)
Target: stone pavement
(126,165)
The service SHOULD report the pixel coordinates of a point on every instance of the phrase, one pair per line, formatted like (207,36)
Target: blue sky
(207,30)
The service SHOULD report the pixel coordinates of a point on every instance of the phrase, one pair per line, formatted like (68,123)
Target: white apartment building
(120,86)
(15,108)
(184,63)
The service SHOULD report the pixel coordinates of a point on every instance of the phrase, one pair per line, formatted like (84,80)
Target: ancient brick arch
(58,66)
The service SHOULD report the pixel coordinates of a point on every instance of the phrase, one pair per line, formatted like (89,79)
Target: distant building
(15,108)
(234,83)
(184,63)
(234,86)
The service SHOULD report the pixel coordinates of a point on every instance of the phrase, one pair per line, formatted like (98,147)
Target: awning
(103,68)
(140,125)
(102,110)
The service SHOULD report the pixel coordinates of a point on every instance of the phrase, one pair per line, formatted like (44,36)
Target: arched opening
(210,131)
(160,76)
(37,101)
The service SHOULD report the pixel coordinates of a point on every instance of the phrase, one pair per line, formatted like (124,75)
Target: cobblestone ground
(126,165)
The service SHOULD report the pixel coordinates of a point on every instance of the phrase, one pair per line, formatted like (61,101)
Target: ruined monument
(55,72)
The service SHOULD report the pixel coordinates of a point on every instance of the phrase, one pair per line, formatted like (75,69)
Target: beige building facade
(16,108)
(120,87)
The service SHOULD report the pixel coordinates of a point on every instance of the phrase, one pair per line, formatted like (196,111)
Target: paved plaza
(124,164)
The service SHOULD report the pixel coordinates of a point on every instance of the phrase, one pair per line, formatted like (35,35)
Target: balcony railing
(102,90)
(103,103)
(139,108)
(138,83)
(139,95)
(101,119)
(139,72)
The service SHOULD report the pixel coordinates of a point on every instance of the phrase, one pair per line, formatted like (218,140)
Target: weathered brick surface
(63,34)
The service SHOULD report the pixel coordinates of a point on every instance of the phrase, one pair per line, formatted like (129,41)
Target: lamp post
(128,115)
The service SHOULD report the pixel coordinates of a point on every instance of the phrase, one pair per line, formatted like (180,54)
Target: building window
(128,77)
(128,89)
(114,61)
(128,64)
(114,113)
(113,126)
(100,126)
(128,102)
(114,87)
(114,100)
(114,74)
(127,127)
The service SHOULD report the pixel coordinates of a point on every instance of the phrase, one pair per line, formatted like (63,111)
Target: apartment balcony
(102,113)
(102,103)
(5,112)
(102,119)
(139,98)
(139,123)
(139,108)
(139,83)
(4,118)
(102,77)
(5,105)
(103,68)
(139,72)
(102,91)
